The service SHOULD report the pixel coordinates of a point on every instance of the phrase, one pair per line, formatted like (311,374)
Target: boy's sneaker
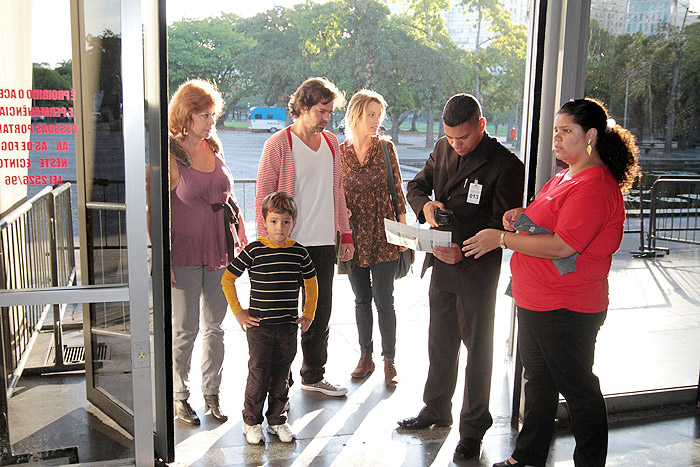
(253,434)
(326,388)
(283,431)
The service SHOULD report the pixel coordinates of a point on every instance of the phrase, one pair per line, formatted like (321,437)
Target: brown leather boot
(364,367)
(390,375)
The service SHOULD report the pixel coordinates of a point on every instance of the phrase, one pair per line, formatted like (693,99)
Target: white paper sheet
(415,238)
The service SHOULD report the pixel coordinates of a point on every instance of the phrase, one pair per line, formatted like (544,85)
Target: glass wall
(647,74)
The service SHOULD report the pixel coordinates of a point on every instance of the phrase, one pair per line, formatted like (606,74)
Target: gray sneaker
(253,434)
(326,388)
(283,431)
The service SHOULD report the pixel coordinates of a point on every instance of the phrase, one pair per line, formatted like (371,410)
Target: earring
(589,148)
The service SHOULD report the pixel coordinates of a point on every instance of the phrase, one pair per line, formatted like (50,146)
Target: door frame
(142,27)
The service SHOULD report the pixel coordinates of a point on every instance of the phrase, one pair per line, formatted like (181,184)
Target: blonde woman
(367,198)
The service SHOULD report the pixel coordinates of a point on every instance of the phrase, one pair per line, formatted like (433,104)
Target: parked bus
(268,118)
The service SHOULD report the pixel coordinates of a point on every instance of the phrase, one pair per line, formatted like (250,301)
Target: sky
(178,9)
(51,39)
(51,20)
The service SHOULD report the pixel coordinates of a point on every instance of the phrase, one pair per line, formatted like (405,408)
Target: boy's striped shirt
(276,273)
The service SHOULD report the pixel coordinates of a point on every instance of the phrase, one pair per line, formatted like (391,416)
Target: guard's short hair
(279,202)
(311,92)
(461,108)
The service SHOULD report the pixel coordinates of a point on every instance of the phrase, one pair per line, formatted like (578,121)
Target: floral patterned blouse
(367,198)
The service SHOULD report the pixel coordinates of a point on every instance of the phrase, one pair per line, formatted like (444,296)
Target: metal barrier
(675,205)
(245,194)
(36,250)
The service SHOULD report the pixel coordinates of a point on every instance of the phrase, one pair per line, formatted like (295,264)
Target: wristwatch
(503,240)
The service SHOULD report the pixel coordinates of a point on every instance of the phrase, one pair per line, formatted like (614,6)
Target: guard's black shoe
(508,463)
(468,448)
(185,413)
(211,401)
(420,422)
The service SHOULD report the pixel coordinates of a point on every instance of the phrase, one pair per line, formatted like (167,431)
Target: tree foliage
(634,74)
(210,48)
(408,57)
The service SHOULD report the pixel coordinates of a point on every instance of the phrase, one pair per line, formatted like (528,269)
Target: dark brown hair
(279,202)
(311,92)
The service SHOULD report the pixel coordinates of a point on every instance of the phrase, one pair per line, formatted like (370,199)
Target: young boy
(276,264)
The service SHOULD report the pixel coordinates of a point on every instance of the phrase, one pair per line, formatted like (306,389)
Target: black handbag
(406,257)
(231,220)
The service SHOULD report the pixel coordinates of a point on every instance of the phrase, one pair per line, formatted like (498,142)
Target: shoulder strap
(390,179)
(289,136)
(328,140)
(330,145)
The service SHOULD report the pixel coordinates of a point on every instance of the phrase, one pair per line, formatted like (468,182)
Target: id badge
(474,195)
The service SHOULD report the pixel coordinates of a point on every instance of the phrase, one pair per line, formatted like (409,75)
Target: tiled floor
(651,339)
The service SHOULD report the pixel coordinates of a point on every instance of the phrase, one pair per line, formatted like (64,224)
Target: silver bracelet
(503,240)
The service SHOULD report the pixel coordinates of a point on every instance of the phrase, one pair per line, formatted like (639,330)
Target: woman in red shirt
(562,255)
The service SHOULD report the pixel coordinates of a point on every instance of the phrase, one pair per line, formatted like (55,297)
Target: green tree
(65,69)
(46,78)
(213,49)
(689,91)
(103,60)
(503,66)
(275,62)
(490,11)
(428,25)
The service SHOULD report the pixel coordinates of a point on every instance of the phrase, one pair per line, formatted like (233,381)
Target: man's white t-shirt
(313,193)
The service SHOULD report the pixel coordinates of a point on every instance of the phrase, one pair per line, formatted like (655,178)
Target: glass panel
(37,153)
(111,351)
(380,48)
(104,178)
(646,74)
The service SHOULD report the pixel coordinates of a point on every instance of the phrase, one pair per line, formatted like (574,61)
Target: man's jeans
(314,342)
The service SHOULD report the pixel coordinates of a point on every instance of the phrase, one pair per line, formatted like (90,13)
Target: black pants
(455,319)
(556,348)
(314,342)
(272,350)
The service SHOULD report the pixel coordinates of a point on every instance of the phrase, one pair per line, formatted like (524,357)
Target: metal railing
(36,251)
(675,205)
(245,194)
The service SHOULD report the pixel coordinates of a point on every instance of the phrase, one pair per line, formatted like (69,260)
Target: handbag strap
(390,179)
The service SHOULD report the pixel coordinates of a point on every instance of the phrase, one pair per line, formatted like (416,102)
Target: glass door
(109,40)
(103,201)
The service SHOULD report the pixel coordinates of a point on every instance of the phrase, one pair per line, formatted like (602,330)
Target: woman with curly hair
(563,251)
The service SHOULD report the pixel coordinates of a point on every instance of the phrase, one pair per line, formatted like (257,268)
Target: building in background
(462,24)
(650,17)
(611,15)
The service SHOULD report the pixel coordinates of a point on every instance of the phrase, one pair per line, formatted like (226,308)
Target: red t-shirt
(588,213)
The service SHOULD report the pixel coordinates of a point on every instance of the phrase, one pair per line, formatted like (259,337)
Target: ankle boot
(390,375)
(185,413)
(364,367)
(211,402)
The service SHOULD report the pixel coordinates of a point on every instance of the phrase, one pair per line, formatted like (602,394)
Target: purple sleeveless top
(197,232)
